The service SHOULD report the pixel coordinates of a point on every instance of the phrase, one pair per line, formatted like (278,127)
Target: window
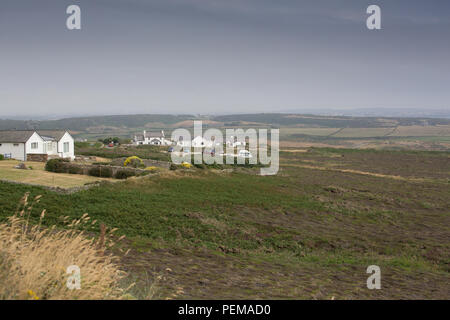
(49,146)
(66,147)
(34,145)
(16,144)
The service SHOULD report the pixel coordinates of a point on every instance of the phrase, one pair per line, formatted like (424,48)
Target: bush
(2,157)
(200,166)
(124,174)
(186,165)
(105,172)
(100,171)
(134,162)
(173,166)
(56,165)
(144,173)
(94,171)
(75,170)
(216,166)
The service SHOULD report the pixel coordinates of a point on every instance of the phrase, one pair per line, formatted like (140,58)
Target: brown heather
(34,260)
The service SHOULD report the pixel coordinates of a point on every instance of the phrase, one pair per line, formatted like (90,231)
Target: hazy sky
(215,56)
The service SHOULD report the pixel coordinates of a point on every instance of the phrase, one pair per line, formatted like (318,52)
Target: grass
(304,233)
(143,152)
(41,177)
(362,132)
(393,136)
(36,262)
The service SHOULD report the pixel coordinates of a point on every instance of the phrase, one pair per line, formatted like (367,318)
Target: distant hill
(282,119)
(84,123)
(126,122)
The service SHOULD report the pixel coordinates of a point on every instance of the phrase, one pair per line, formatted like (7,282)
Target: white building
(152,138)
(64,142)
(22,145)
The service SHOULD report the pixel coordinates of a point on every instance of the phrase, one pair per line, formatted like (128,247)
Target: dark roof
(55,134)
(154,134)
(15,136)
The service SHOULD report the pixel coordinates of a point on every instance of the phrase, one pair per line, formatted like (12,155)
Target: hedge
(75,170)
(57,165)
(103,172)
(123,174)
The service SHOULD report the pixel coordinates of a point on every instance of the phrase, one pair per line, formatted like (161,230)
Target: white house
(24,145)
(153,138)
(64,142)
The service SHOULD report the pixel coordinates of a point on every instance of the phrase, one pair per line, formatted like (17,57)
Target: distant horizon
(351,112)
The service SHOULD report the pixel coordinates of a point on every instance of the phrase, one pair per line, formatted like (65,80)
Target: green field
(307,233)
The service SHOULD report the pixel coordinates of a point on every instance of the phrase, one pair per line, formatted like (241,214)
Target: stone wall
(84,168)
(37,157)
(147,162)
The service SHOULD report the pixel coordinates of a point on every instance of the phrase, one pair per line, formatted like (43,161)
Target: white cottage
(32,145)
(153,138)
(63,140)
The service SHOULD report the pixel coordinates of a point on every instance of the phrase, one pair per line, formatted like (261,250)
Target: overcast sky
(216,56)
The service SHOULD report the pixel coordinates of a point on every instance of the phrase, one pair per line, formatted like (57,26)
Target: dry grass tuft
(34,261)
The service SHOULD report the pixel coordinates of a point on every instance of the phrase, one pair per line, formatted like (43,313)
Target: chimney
(162,133)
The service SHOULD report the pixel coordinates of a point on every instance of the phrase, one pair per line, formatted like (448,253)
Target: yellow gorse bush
(34,260)
(132,159)
(186,165)
(134,162)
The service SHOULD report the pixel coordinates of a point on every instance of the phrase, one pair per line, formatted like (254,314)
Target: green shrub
(105,172)
(145,173)
(124,174)
(2,157)
(200,166)
(56,165)
(100,171)
(94,171)
(74,170)
(173,166)
(216,166)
